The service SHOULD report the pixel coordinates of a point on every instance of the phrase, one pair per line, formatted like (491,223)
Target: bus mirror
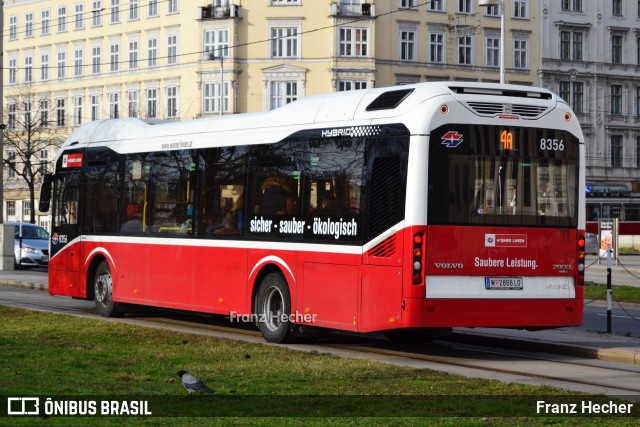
(45,193)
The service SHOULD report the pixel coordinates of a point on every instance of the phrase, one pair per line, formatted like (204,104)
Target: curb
(27,285)
(606,354)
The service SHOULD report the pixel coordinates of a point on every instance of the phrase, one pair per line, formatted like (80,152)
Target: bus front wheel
(273,309)
(103,291)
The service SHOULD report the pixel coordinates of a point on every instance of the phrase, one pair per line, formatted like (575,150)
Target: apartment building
(74,61)
(590,55)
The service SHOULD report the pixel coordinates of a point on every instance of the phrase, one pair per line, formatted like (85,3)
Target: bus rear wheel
(273,307)
(103,291)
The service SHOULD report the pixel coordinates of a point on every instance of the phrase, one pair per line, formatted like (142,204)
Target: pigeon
(192,384)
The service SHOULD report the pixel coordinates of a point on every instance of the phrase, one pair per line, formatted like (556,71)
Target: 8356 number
(552,144)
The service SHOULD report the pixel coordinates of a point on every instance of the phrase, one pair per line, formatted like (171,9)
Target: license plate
(503,283)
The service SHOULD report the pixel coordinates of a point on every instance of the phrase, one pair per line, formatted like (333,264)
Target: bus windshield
(503,176)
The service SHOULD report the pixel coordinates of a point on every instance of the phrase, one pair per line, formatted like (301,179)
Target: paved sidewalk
(570,341)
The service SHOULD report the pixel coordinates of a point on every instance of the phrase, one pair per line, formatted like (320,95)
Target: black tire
(273,309)
(103,291)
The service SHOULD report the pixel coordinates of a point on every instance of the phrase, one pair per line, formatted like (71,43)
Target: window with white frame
(115,11)
(152,103)
(408,4)
(13,70)
(28,69)
(616,7)
(114,57)
(354,41)
(44,66)
(172,6)
(61,112)
(95,105)
(282,93)
(62,64)
(134,9)
(152,8)
(216,42)
(172,49)
(465,50)
(571,45)
(28,25)
(96,13)
(78,110)
(78,55)
(464,6)
(493,10)
(13,27)
(26,209)
(152,52)
(27,110)
(172,101)
(44,113)
(577,98)
(133,54)
(407,45)
(79,16)
(284,42)
(211,97)
(493,50)
(114,105)
(436,6)
(520,54)
(616,151)
(616,49)
(62,19)
(133,103)
(45,22)
(344,85)
(571,5)
(637,100)
(11,204)
(96,59)
(616,99)
(43,160)
(12,116)
(437,47)
(11,173)
(521,9)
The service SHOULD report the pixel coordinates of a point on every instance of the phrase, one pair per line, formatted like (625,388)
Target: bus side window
(221,206)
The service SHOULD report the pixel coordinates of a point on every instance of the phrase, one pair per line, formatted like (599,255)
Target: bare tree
(29,138)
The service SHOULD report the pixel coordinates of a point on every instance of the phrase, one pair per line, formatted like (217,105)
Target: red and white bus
(432,205)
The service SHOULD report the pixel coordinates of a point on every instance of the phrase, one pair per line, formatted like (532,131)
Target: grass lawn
(620,293)
(51,355)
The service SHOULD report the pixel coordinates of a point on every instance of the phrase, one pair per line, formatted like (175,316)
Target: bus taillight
(581,257)
(418,258)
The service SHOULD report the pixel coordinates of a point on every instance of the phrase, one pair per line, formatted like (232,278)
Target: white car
(34,249)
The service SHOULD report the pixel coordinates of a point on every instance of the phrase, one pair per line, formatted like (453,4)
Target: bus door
(66,256)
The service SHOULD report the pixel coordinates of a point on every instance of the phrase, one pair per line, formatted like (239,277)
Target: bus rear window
(477,176)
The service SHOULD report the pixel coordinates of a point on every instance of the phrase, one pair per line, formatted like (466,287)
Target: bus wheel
(273,307)
(103,291)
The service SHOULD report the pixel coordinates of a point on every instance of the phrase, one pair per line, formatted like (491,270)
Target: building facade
(590,56)
(73,61)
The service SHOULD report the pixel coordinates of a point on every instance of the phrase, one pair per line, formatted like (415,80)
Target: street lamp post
(500,4)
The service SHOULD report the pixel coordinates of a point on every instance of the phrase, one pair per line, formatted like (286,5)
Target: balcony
(220,12)
(363,9)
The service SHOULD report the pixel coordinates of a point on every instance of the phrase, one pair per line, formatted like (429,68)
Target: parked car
(591,245)
(35,245)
